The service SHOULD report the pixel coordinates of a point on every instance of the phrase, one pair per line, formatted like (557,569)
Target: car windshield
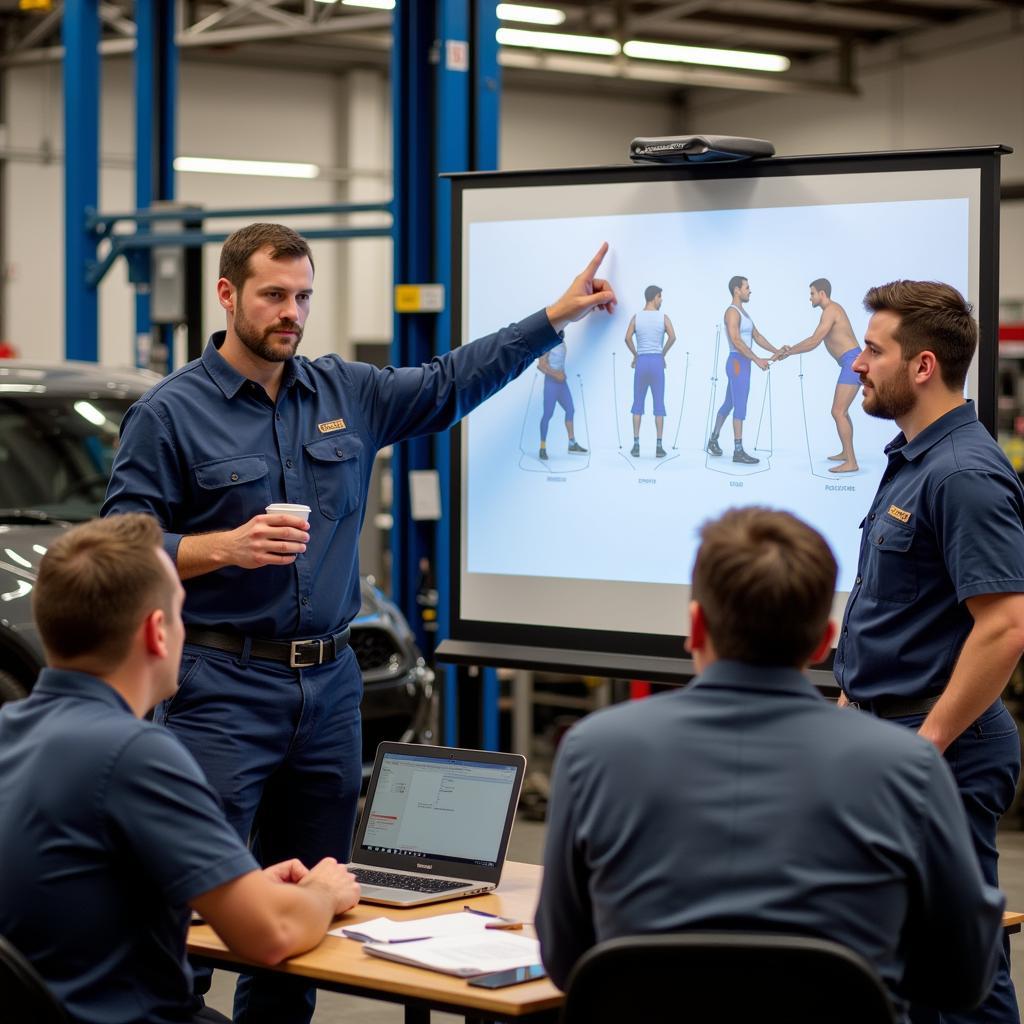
(56,453)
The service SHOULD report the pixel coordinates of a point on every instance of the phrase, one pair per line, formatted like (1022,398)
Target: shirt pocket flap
(339,448)
(239,469)
(890,536)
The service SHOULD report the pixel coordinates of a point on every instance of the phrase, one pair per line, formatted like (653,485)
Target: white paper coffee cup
(284,508)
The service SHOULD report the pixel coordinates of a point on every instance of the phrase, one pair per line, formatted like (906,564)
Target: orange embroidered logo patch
(898,513)
(330,426)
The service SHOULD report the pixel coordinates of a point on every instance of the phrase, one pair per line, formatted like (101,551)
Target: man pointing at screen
(270,690)
(934,624)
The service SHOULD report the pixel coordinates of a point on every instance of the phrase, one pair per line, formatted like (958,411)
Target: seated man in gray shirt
(109,832)
(747,801)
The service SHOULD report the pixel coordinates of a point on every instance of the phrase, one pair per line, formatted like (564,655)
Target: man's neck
(929,408)
(241,358)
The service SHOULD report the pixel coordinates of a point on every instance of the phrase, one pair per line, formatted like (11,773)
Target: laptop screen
(437,807)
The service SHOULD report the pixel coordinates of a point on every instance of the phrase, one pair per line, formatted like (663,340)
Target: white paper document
(383,929)
(465,955)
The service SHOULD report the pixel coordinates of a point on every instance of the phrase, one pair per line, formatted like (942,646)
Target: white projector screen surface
(603,540)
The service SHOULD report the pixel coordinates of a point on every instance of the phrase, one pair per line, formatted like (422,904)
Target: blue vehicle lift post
(446,90)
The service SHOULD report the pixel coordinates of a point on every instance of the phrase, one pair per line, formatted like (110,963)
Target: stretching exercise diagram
(835,330)
(711,461)
(742,334)
(555,393)
(654,335)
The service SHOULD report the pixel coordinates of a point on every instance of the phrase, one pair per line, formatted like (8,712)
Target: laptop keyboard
(413,883)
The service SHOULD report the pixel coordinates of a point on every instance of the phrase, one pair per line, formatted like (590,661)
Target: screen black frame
(439,866)
(482,642)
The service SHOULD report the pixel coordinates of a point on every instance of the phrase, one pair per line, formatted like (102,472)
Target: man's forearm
(202,553)
(988,658)
(804,346)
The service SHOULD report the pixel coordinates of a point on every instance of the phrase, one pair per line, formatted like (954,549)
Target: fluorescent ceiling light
(263,168)
(643,50)
(531,15)
(377,5)
(558,41)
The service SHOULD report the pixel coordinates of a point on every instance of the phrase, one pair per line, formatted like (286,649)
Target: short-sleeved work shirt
(206,450)
(946,524)
(108,830)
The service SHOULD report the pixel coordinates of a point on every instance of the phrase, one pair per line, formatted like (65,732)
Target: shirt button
(288,463)
(881,540)
(305,601)
(857,580)
(234,476)
(872,517)
(277,416)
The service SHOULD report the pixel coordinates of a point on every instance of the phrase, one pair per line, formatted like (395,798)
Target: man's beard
(892,400)
(258,342)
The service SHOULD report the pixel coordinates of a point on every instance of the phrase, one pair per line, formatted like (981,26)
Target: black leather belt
(898,707)
(296,653)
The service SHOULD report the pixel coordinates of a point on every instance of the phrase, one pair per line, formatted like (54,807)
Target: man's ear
(698,637)
(155,634)
(925,366)
(821,651)
(226,294)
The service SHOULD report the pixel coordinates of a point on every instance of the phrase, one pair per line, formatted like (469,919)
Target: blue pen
(509,924)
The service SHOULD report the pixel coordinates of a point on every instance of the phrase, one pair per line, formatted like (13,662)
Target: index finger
(592,266)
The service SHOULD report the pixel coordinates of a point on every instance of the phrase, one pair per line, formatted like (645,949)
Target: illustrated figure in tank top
(649,336)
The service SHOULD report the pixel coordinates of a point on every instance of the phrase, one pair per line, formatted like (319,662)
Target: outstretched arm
(732,325)
(764,342)
(825,325)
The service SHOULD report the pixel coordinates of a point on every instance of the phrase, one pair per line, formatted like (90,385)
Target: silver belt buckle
(295,655)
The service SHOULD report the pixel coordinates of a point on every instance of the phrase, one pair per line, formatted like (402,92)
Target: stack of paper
(464,956)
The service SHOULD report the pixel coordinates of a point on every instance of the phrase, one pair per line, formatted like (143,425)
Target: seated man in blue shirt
(109,832)
(747,801)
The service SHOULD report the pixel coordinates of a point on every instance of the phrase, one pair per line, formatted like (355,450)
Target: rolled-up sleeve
(145,476)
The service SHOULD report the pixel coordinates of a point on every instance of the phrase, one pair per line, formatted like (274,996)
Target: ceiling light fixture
(260,168)
(558,41)
(742,59)
(531,15)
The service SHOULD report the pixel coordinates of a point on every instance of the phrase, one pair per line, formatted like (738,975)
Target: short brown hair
(764,581)
(822,284)
(933,316)
(96,584)
(736,282)
(283,243)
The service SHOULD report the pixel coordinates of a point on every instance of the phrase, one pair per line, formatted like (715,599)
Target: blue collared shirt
(946,524)
(108,829)
(747,801)
(206,450)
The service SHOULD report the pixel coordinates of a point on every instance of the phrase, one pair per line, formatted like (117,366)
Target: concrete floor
(527,845)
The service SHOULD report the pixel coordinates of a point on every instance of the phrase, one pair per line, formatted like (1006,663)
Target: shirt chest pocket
(233,490)
(893,575)
(336,465)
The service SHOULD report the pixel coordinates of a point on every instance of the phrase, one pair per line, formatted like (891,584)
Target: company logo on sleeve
(897,513)
(330,426)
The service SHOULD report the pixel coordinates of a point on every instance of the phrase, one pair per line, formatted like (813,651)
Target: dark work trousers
(985,760)
(283,749)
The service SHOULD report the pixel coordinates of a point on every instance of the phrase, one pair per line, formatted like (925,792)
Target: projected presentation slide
(601,461)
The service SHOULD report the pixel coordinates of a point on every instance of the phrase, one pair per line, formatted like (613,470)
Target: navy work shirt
(206,450)
(108,829)
(946,524)
(749,801)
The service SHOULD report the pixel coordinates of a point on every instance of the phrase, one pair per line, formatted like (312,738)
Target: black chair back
(724,978)
(24,997)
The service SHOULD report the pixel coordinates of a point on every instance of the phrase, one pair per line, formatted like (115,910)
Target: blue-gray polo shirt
(108,829)
(206,450)
(946,524)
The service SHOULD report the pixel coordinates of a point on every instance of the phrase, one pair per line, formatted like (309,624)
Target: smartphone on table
(501,979)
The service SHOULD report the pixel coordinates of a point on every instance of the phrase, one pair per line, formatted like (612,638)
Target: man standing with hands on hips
(270,690)
(934,625)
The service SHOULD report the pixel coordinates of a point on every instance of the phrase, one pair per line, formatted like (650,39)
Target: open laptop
(436,823)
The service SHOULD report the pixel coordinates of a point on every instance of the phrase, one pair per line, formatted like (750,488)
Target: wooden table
(340,965)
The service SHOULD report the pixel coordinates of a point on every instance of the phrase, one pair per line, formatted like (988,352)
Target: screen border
(486,636)
(443,868)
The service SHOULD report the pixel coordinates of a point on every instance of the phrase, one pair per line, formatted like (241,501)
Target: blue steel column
(412,343)
(452,142)
(81,35)
(156,77)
